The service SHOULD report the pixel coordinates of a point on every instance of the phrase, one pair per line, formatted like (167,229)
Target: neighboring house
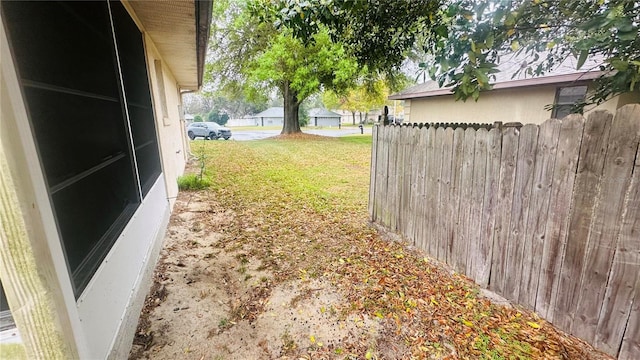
(347,117)
(323,117)
(92,140)
(248,120)
(517,100)
(271,117)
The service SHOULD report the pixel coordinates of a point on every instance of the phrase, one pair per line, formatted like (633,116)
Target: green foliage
(217,117)
(378,33)
(197,118)
(463,40)
(193,182)
(251,57)
(546,33)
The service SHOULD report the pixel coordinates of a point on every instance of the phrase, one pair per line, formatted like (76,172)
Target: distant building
(248,120)
(323,117)
(273,116)
(510,100)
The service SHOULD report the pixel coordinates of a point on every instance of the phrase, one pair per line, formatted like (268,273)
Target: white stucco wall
(171,128)
(102,322)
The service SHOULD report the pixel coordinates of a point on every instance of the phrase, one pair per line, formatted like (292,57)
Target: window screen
(95,137)
(566,99)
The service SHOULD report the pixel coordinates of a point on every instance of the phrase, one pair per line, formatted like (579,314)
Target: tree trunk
(291,106)
(366,117)
(353,114)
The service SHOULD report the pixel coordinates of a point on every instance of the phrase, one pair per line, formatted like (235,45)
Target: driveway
(245,135)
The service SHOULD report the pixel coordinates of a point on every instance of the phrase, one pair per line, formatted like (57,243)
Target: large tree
(250,56)
(465,39)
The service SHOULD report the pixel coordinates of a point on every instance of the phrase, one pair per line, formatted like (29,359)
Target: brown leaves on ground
(302,228)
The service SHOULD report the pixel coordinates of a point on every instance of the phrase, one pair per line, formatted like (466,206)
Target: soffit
(172,27)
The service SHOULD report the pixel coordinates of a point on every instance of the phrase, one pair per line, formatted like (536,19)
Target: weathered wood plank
(520,209)
(454,200)
(436,215)
(429,191)
(510,137)
(477,197)
(413,167)
(564,173)
(624,281)
(464,214)
(618,164)
(389,219)
(372,172)
(422,168)
(482,262)
(384,175)
(595,138)
(444,208)
(630,348)
(538,211)
(400,176)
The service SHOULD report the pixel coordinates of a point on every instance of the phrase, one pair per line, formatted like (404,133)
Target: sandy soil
(211,303)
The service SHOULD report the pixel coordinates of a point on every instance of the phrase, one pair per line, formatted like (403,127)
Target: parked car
(208,131)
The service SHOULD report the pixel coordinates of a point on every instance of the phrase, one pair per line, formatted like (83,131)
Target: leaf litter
(278,260)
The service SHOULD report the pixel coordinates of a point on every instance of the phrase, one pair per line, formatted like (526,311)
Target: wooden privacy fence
(546,215)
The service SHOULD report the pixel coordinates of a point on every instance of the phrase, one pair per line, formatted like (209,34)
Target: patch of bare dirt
(211,301)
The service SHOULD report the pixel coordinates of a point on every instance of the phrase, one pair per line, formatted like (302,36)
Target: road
(246,135)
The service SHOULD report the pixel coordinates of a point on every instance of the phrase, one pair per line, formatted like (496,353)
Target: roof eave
(203,23)
(539,81)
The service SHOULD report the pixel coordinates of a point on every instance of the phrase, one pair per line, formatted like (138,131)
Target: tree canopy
(250,56)
(465,39)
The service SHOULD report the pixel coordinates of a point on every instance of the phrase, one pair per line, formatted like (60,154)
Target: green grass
(12,352)
(193,182)
(328,173)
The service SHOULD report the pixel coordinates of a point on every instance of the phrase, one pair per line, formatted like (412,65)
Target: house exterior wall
(525,105)
(101,322)
(171,127)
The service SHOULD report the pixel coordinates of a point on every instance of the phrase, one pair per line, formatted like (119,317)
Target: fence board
(564,173)
(444,209)
(454,200)
(372,172)
(434,244)
(520,210)
(404,179)
(624,281)
(510,137)
(538,211)
(630,348)
(414,166)
(393,176)
(482,263)
(420,232)
(587,184)
(382,176)
(477,195)
(430,192)
(619,160)
(466,183)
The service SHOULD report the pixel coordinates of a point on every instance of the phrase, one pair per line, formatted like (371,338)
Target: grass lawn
(305,200)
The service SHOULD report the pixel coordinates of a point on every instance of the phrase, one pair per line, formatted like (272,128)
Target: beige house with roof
(518,100)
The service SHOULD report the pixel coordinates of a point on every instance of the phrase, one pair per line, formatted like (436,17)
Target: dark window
(91,116)
(6,320)
(568,100)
